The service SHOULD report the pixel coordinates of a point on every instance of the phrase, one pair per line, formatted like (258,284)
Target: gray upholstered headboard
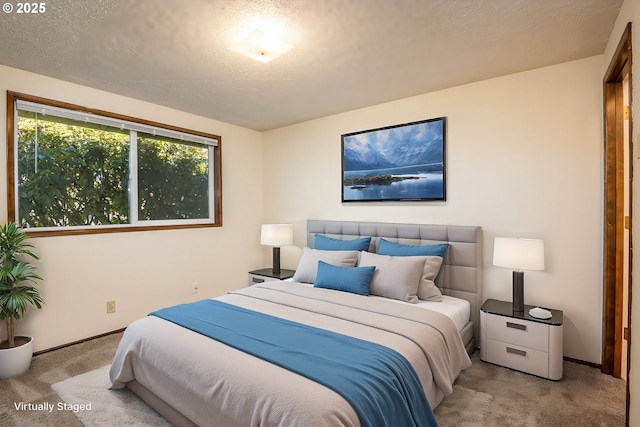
(461,274)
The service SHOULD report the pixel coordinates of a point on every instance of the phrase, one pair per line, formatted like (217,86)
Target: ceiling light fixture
(261,46)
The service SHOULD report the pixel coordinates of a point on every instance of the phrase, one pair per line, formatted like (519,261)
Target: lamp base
(276,260)
(518,291)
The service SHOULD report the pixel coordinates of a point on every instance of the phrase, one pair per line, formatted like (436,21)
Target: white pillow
(395,277)
(308,265)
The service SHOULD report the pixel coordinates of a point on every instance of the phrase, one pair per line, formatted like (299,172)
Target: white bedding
(456,309)
(213,384)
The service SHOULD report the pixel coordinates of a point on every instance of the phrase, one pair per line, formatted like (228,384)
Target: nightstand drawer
(517,357)
(255,279)
(518,332)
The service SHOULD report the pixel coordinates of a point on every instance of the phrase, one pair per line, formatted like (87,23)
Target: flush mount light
(261,46)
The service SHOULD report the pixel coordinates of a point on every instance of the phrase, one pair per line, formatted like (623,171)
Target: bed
(197,380)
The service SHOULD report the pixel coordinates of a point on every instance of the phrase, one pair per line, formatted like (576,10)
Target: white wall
(144,270)
(630,12)
(524,158)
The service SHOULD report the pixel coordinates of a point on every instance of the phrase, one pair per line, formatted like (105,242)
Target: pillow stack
(397,271)
(332,265)
(433,257)
(308,266)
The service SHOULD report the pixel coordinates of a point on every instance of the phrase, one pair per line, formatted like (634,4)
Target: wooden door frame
(614,225)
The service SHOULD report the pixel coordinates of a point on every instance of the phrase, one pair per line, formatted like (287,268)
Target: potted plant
(17,277)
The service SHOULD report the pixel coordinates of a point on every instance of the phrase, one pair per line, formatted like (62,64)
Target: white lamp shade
(519,254)
(276,234)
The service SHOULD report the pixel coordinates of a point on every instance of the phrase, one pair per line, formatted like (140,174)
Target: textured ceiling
(346,54)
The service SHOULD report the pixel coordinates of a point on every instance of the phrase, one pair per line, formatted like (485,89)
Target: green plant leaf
(17,276)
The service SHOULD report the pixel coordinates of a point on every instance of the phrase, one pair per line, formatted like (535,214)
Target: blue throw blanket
(378,382)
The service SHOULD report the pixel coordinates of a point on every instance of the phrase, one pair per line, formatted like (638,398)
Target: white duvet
(215,385)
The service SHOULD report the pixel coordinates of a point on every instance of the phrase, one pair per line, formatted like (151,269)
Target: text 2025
(31,7)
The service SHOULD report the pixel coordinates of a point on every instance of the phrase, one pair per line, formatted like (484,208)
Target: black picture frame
(403,162)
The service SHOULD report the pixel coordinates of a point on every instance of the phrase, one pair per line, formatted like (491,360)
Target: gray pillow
(427,289)
(394,277)
(308,266)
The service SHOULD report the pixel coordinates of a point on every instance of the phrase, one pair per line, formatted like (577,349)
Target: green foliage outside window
(71,174)
(173,180)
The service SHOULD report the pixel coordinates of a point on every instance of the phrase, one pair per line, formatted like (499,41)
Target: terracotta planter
(16,361)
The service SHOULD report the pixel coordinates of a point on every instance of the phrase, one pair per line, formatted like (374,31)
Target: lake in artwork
(405,162)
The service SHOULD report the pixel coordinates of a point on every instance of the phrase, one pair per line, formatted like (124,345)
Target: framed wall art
(396,163)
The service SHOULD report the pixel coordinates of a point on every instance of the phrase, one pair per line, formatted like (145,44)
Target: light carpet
(113,408)
(109,408)
(467,409)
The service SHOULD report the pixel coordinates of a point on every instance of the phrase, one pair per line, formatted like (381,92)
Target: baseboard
(117,331)
(78,342)
(583,362)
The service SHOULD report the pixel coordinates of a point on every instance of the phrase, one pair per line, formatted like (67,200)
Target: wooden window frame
(216,170)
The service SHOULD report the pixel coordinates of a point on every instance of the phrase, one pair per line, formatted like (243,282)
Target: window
(79,170)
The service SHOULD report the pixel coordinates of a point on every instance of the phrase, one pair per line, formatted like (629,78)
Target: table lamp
(276,235)
(519,254)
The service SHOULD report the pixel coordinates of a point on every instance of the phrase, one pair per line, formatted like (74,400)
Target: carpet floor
(98,406)
(484,394)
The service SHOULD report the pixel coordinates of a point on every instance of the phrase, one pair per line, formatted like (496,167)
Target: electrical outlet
(111,306)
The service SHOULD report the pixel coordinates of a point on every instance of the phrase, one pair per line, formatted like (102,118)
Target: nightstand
(519,341)
(267,275)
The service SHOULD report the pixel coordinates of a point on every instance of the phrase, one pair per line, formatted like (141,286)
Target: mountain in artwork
(408,145)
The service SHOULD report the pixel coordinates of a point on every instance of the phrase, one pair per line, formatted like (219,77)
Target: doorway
(618,174)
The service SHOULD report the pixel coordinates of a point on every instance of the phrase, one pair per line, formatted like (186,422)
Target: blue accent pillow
(348,279)
(395,249)
(329,244)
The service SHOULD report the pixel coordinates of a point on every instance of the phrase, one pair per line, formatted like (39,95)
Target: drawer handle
(256,280)
(517,326)
(517,352)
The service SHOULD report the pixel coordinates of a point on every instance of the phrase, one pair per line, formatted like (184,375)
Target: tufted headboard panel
(461,274)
